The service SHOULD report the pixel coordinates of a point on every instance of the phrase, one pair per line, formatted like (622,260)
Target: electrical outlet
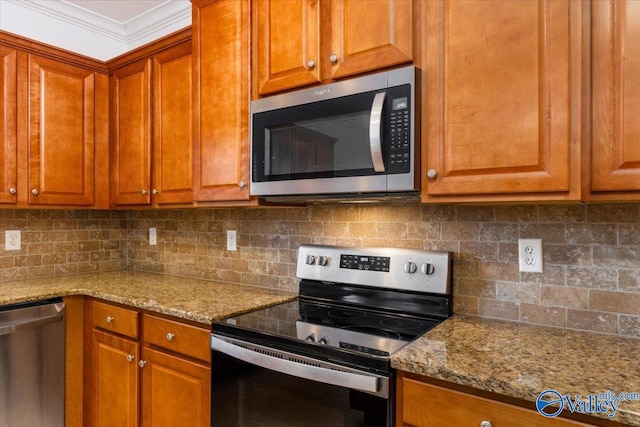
(12,241)
(530,255)
(231,240)
(153,238)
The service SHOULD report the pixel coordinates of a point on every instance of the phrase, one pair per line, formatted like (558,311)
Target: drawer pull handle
(109,319)
(142,363)
(130,358)
(170,336)
(486,424)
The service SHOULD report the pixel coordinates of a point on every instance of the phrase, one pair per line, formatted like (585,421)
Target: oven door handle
(350,380)
(375,130)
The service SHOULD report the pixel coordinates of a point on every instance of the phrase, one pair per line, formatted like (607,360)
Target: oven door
(253,385)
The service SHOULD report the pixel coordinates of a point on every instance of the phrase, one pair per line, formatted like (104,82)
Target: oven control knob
(323,341)
(410,267)
(323,260)
(311,338)
(310,260)
(427,269)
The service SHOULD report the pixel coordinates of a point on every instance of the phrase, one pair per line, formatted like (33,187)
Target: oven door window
(319,140)
(244,395)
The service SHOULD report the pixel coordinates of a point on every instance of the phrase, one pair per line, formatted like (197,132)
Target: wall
(591,279)
(592,252)
(62,242)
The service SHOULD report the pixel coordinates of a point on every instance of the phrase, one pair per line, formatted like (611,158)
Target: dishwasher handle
(30,324)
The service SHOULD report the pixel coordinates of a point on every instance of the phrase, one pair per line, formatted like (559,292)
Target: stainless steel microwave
(354,138)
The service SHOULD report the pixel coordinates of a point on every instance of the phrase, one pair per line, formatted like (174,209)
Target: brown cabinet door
(8,124)
(115,381)
(62,133)
(367,36)
(176,391)
(287,44)
(615,162)
(173,124)
(221,63)
(130,134)
(501,96)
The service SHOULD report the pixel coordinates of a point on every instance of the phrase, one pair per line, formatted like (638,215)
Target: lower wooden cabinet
(145,370)
(421,404)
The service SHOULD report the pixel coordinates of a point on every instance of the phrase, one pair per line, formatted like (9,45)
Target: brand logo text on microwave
(321,92)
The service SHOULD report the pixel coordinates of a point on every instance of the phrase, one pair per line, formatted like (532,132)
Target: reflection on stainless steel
(32,366)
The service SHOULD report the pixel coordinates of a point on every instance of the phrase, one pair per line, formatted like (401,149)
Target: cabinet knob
(142,363)
(310,64)
(109,319)
(242,184)
(431,173)
(486,424)
(35,192)
(170,336)
(333,58)
(143,192)
(13,190)
(130,358)
(154,191)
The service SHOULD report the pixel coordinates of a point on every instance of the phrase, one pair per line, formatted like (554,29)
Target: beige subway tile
(592,278)
(629,326)
(507,271)
(518,292)
(615,302)
(593,321)
(459,231)
(464,304)
(505,310)
(561,296)
(541,315)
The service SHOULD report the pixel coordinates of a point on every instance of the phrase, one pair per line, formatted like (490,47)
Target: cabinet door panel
(616,96)
(173,125)
(498,105)
(287,36)
(130,134)
(61,133)
(176,391)
(115,387)
(371,36)
(221,51)
(8,124)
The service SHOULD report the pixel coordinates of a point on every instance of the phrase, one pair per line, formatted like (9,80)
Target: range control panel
(402,269)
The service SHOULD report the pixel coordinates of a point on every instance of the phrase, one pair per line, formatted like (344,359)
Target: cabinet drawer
(175,336)
(115,319)
(426,405)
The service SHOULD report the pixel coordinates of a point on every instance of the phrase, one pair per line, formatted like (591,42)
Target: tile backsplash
(591,278)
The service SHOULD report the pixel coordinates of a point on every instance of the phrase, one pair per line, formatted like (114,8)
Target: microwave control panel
(399,155)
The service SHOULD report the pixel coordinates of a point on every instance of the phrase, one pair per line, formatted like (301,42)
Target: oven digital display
(365,262)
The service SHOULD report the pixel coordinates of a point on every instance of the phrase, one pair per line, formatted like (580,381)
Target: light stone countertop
(191,299)
(521,361)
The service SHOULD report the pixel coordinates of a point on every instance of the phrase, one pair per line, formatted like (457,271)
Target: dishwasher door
(32,365)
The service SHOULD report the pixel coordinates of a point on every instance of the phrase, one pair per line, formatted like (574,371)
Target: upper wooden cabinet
(615,137)
(8,125)
(53,133)
(302,42)
(221,101)
(151,130)
(501,103)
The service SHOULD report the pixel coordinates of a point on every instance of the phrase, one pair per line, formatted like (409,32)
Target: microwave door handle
(375,129)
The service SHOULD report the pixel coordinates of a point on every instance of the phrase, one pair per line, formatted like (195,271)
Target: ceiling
(101,29)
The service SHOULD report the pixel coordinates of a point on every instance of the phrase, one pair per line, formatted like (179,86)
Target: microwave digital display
(400,103)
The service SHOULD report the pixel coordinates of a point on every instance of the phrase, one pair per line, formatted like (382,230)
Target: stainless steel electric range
(324,358)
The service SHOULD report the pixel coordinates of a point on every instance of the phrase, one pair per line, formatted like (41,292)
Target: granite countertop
(191,299)
(521,361)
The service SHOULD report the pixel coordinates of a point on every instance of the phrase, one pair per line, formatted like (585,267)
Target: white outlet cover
(530,256)
(153,237)
(12,240)
(231,240)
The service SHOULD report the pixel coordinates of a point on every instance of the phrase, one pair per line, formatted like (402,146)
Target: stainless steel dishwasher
(32,364)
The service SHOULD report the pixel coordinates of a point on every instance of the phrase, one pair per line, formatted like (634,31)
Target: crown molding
(79,24)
